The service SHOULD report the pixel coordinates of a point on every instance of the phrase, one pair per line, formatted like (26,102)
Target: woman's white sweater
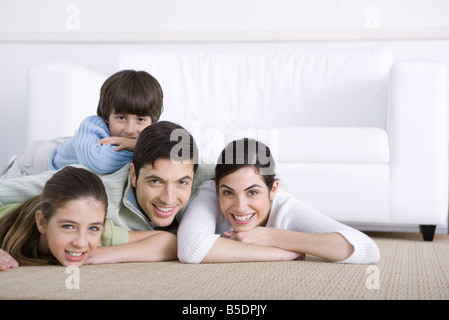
(203,222)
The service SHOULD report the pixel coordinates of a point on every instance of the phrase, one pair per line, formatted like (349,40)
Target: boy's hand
(120,142)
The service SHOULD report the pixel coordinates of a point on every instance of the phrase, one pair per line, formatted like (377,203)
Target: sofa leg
(428,231)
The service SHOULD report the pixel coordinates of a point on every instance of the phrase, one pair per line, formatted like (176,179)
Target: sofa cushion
(356,145)
(333,87)
(362,145)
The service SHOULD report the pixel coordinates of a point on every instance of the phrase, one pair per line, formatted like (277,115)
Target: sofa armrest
(59,97)
(417,125)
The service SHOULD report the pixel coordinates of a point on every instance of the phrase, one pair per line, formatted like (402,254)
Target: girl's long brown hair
(19,235)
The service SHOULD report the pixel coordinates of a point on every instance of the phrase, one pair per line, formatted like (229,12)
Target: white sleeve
(196,232)
(292,214)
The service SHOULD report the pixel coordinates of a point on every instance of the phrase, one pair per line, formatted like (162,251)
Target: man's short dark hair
(164,140)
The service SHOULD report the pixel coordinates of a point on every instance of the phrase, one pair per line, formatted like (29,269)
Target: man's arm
(143,246)
(19,190)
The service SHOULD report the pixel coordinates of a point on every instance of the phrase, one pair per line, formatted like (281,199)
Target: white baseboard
(443,229)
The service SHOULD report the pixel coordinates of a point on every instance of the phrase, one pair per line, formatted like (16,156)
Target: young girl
(129,102)
(65,224)
(243,215)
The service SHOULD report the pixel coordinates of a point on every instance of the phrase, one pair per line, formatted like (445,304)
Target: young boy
(129,102)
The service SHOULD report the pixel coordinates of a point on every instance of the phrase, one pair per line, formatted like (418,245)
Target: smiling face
(73,232)
(245,199)
(127,125)
(163,190)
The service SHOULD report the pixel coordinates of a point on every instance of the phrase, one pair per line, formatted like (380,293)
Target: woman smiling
(244,215)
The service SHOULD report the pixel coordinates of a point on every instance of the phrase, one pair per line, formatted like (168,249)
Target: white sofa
(359,137)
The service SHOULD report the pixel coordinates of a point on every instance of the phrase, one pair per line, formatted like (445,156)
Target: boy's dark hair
(166,140)
(131,92)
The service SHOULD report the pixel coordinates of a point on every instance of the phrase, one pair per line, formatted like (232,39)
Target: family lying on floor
(129,188)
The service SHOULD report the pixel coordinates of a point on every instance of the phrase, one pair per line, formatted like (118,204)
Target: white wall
(59,16)
(90,33)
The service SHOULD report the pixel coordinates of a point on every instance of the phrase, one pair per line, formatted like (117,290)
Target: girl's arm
(143,246)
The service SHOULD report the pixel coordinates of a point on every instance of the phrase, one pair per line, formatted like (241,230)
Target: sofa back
(59,97)
(234,90)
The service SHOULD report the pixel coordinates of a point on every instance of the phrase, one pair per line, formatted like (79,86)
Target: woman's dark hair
(131,92)
(246,153)
(19,235)
(166,140)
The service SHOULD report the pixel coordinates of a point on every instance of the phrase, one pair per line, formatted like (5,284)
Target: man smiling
(149,193)
(162,189)
(162,180)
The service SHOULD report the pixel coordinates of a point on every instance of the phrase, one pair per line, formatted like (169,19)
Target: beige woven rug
(409,269)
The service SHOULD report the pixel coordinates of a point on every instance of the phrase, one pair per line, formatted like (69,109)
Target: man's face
(163,190)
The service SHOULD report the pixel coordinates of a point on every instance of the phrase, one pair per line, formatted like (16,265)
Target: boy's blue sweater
(84,149)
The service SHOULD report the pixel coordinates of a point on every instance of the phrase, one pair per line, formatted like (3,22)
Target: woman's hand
(264,237)
(258,235)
